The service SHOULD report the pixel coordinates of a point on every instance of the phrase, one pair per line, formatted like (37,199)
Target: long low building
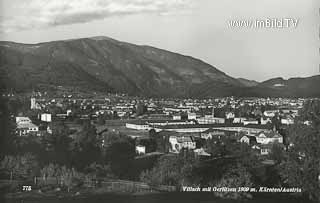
(150,124)
(251,128)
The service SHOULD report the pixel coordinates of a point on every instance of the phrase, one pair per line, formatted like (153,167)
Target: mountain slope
(247,83)
(101,63)
(299,87)
(107,65)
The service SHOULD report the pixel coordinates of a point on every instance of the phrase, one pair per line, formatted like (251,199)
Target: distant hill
(108,65)
(247,83)
(299,87)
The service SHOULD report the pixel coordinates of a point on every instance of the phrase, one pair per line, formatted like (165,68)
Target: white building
(25,126)
(265,120)
(176,117)
(180,142)
(270,113)
(250,121)
(138,126)
(229,115)
(21,119)
(239,119)
(46,117)
(287,121)
(210,120)
(192,116)
(34,104)
(140,149)
(269,137)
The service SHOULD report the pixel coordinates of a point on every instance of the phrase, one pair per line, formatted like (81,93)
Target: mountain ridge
(108,65)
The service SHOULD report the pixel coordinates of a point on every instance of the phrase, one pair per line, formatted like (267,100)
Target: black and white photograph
(152,101)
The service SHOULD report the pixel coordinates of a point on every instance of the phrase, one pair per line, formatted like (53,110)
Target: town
(255,121)
(98,140)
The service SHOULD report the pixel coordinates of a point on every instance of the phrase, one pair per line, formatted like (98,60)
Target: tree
(21,166)
(120,155)
(311,112)
(235,177)
(58,143)
(174,170)
(277,153)
(101,120)
(65,176)
(301,166)
(7,129)
(150,144)
(141,109)
(50,170)
(95,170)
(86,147)
(113,137)
(70,177)
(152,133)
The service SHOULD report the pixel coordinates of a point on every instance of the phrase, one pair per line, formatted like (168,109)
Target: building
(238,119)
(201,152)
(267,148)
(250,140)
(265,120)
(26,127)
(192,116)
(34,104)
(169,122)
(209,119)
(229,115)
(287,121)
(46,117)
(269,137)
(200,128)
(176,117)
(21,119)
(149,124)
(181,142)
(138,126)
(250,121)
(140,149)
(210,133)
(270,113)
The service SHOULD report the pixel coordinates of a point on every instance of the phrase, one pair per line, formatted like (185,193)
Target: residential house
(250,140)
(265,120)
(180,142)
(270,113)
(289,120)
(229,115)
(192,116)
(176,117)
(26,127)
(201,152)
(238,119)
(140,149)
(269,137)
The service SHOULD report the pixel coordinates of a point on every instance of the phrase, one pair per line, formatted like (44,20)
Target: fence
(106,184)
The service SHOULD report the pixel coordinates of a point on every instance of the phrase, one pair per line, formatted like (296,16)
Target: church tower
(33,103)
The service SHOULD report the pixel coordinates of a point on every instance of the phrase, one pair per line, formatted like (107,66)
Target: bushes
(175,170)
(22,166)
(61,175)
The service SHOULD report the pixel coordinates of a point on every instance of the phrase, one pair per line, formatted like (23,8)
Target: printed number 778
(26,188)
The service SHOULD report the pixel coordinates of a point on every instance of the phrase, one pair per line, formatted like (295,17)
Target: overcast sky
(192,27)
